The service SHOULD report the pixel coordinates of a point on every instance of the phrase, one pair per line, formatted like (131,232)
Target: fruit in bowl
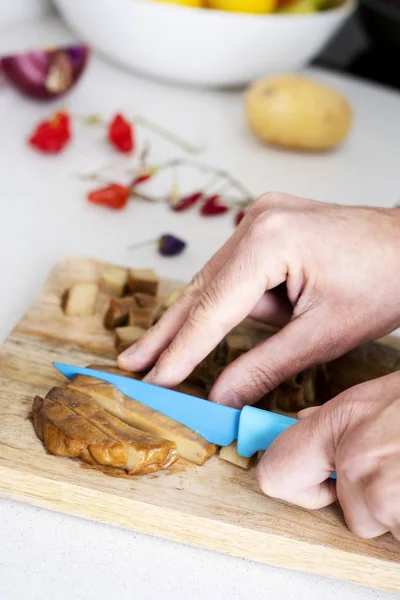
(244,6)
(260,6)
(205,47)
(191,3)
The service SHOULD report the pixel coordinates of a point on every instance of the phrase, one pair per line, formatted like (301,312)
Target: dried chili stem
(142,244)
(169,135)
(221,173)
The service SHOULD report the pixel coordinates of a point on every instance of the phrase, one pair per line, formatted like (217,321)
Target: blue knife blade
(216,423)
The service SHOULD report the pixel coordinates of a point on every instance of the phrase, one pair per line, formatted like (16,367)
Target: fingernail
(231,398)
(126,356)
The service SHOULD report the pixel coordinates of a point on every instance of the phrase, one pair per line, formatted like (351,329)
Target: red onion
(46,74)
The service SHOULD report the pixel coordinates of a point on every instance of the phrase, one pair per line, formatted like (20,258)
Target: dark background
(353,50)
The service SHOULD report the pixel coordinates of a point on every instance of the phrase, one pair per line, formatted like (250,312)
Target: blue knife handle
(259,428)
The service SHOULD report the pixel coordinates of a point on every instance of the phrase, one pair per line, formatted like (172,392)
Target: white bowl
(197,46)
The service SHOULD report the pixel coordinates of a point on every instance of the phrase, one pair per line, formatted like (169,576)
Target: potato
(292,111)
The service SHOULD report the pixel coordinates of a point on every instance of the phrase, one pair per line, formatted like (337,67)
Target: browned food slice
(64,433)
(229,453)
(143,280)
(190,445)
(364,363)
(141,317)
(143,310)
(117,314)
(187,387)
(126,336)
(116,371)
(80,299)
(146,300)
(113,280)
(297,393)
(200,375)
(141,452)
(236,345)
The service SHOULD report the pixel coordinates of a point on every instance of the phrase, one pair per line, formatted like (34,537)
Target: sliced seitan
(229,453)
(71,423)
(190,445)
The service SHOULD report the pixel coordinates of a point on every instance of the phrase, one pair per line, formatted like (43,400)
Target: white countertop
(44,217)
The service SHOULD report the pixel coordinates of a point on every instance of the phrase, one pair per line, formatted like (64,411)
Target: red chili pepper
(143,176)
(120,134)
(212,206)
(114,196)
(186,202)
(51,136)
(239,216)
(141,179)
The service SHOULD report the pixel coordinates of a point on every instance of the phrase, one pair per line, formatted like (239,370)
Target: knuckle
(351,465)
(383,499)
(272,223)
(197,315)
(206,304)
(196,286)
(267,200)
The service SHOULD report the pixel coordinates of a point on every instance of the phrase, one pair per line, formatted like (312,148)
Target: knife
(253,428)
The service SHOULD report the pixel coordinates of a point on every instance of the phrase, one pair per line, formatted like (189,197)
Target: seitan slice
(229,454)
(190,445)
(73,424)
(64,433)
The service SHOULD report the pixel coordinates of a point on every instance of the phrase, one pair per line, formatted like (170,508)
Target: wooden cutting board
(217,506)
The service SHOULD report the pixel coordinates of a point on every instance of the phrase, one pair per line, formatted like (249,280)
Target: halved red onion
(46,74)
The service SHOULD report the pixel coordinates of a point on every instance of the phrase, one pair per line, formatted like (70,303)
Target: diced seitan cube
(143,311)
(113,280)
(80,299)
(143,280)
(236,345)
(145,300)
(126,336)
(117,314)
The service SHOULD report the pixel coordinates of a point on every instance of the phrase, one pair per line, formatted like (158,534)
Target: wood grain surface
(217,506)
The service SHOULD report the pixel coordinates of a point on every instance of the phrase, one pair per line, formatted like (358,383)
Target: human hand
(337,268)
(358,435)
